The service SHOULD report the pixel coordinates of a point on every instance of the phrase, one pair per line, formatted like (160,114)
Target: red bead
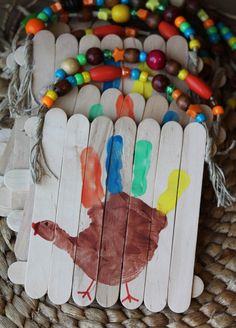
(105,73)
(101,31)
(167,30)
(198,86)
(156,59)
(34,25)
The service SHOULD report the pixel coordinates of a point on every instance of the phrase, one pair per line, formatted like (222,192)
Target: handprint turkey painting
(110,233)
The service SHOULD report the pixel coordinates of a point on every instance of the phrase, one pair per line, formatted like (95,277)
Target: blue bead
(142,56)
(228,35)
(72,80)
(135,73)
(214,38)
(99,3)
(48,11)
(60,74)
(189,32)
(200,118)
(124,2)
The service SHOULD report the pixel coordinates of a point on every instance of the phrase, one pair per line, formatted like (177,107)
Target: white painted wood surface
(68,208)
(158,267)
(14,220)
(45,202)
(148,131)
(107,295)
(100,132)
(186,222)
(88,96)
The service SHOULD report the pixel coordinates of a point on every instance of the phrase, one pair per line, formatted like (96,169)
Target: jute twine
(215,264)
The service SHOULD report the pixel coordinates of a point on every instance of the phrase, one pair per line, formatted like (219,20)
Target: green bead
(170,89)
(54,18)
(233,46)
(169,98)
(212,30)
(133,13)
(184,26)
(26,19)
(225,30)
(82,59)
(161,7)
(79,78)
(107,54)
(44,17)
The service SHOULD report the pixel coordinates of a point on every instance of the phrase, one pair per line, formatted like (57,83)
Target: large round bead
(70,66)
(160,82)
(34,25)
(156,59)
(94,56)
(120,13)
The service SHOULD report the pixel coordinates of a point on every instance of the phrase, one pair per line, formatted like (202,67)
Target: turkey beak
(35,226)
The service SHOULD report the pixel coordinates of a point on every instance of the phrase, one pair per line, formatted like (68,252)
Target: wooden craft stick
(153,42)
(95,167)
(156,108)
(18,179)
(4,159)
(130,85)
(88,102)
(23,237)
(133,106)
(66,47)
(164,200)
(111,102)
(44,61)
(14,220)
(140,214)
(45,202)
(177,114)
(186,222)
(68,210)
(116,212)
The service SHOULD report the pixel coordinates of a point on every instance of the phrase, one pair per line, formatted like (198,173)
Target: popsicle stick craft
(122,190)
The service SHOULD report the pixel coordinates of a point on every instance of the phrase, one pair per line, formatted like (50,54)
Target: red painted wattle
(198,86)
(105,73)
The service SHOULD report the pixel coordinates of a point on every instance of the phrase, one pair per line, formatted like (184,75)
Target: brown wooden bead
(62,87)
(184,102)
(111,3)
(94,56)
(171,13)
(172,67)
(136,4)
(152,21)
(131,55)
(160,82)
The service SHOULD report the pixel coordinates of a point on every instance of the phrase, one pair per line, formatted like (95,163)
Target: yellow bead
(88,31)
(70,66)
(183,73)
(120,13)
(194,44)
(86,76)
(52,94)
(231,102)
(232,41)
(143,77)
(104,14)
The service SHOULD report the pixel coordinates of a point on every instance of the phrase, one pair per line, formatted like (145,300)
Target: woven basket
(215,264)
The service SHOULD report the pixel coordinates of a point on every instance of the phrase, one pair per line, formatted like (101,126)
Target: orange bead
(56,7)
(118,54)
(179,20)
(176,94)
(125,72)
(191,113)
(208,23)
(142,14)
(196,108)
(218,110)
(47,101)
(130,32)
(34,25)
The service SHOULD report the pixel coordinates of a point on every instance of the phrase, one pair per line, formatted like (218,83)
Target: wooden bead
(62,87)
(120,13)
(105,73)
(152,21)
(101,31)
(167,30)
(183,101)
(111,3)
(94,56)
(34,25)
(172,67)
(47,101)
(137,3)
(198,86)
(70,66)
(171,13)
(131,55)
(160,82)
